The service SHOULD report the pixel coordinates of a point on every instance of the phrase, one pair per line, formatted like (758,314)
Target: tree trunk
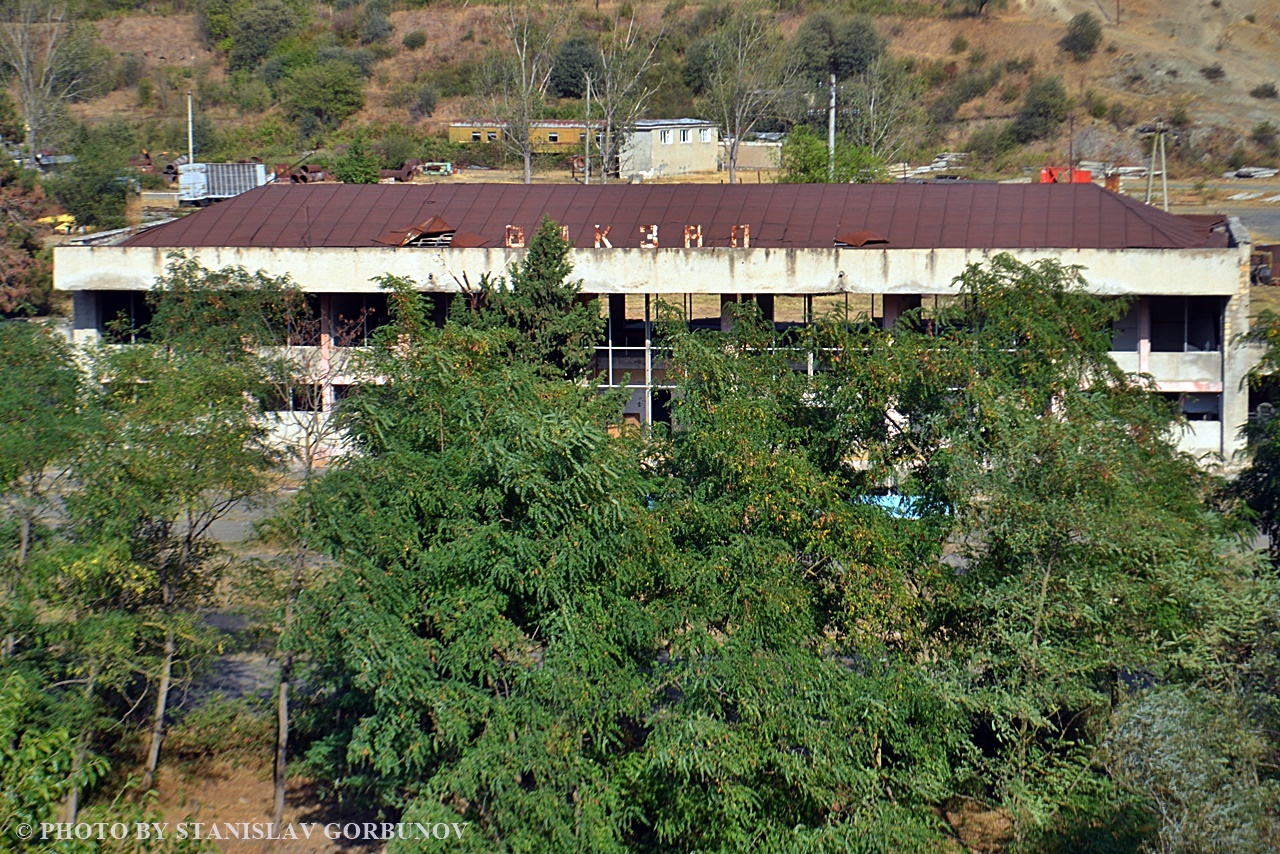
(162,700)
(71,803)
(528,166)
(282,702)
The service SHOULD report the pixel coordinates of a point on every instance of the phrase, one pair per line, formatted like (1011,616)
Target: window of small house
(686,135)
(491,136)
(704,135)
(664,137)
(475,136)
(553,137)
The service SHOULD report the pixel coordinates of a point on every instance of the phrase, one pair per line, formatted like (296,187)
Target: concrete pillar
(325,366)
(85,317)
(1236,361)
(617,319)
(895,305)
(440,309)
(1144,335)
(765,301)
(726,317)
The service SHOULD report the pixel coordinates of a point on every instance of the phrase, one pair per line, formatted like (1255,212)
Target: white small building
(661,148)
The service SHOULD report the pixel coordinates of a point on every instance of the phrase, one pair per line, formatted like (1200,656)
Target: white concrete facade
(660,148)
(1202,366)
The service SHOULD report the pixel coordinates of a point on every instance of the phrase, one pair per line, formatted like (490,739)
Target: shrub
(1010,93)
(1045,107)
(128,69)
(1180,117)
(257,30)
(1265,134)
(959,44)
(1197,758)
(357,165)
(375,26)
(362,58)
(222,728)
(319,97)
(1213,73)
(396,145)
(146,91)
(414,39)
(251,95)
(991,141)
(1095,104)
(424,103)
(1264,90)
(1084,34)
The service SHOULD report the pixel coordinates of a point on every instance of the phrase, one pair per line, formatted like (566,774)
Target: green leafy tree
(36,767)
(1045,108)
(257,29)
(40,431)
(1084,34)
(319,97)
(358,164)
(178,444)
(538,308)
(806,160)
(574,61)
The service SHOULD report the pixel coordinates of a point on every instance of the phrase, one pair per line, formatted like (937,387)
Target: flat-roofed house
(795,250)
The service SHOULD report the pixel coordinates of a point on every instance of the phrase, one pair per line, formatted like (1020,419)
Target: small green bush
(414,39)
(424,103)
(959,44)
(1045,107)
(358,164)
(1265,134)
(317,98)
(1095,104)
(375,27)
(992,141)
(1084,34)
(1264,90)
(1213,73)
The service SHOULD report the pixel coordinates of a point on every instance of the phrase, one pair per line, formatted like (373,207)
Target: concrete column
(1144,335)
(895,305)
(765,301)
(726,319)
(1236,361)
(617,319)
(85,317)
(440,309)
(325,365)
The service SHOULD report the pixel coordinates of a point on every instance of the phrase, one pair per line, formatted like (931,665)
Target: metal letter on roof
(648,237)
(740,230)
(515,237)
(564,233)
(692,236)
(602,237)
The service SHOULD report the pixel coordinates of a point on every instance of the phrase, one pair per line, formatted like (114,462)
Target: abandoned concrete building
(795,250)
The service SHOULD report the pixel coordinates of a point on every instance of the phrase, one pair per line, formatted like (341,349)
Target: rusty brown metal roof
(906,216)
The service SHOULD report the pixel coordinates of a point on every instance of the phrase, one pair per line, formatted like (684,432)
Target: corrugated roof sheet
(907,216)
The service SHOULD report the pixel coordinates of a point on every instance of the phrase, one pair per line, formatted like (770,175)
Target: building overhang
(666,270)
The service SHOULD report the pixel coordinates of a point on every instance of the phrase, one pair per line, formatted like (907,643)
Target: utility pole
(586,137)
(1157,145)
(831,134)
(191,136)
(1071,149)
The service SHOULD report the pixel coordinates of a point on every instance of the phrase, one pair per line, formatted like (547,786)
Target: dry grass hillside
(1150,64)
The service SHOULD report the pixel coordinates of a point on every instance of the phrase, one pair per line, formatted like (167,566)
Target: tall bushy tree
(539,308)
